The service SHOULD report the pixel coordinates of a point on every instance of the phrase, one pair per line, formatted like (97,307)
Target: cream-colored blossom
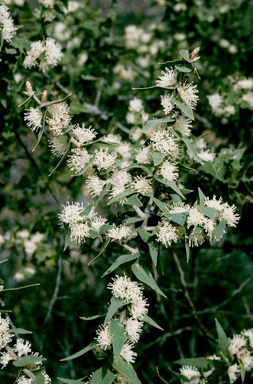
(78,159)
(187,92)
(167,233)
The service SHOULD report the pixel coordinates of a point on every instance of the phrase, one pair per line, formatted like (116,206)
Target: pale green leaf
(145,277)
(92,345)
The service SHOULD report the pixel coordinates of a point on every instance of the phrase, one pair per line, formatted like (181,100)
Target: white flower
(179,36)
(130,118)
(48,15)
(206,156)
(247,361)
(139,307)
(118,233)
(22,347)
(7,24)
(201,144)
(249,334)
(79,232)
(59,118)
(47,378)
(196,239)
(47,3)
(5,336)
(122,379)
(179,208)
(121,178)
(190,372)
(210,229)
(104,337)
(195,218)
(84,135)
(136,135)
(141,185)
(59,145)
(168,171)
(60,31)
(133,328)
(127,353)
(215,100)
(232,371)
(187,93)
(180,7)
(164,142)
(229,215)
(95,185)
(213,203)
(97,222)
(135,105)
(143,156)
(167,104)
(167,233)
(71,213)
(236,344)
(182,125)
(111,138)
(116,190)
(244,84)
(233,49)
(103,159)
(124,288)
(34,117)
(248,98)
(79,159)
(224,43)
(5,358)
(24,380)
(167,79)
(229,110)
(124,150)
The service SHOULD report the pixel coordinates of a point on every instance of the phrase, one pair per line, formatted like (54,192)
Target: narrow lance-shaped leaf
(121,260)
(67,235)
(126,369)
(41,130)
(150,321)
(20,331)
(118,338)
(145,277)
(54,102)
(92,345)
(102,250)
(170,184)
(223,341)
(185,55)
(102,376)
(61,160)
(116,303)
(24,360)
(151,123)
(39,379)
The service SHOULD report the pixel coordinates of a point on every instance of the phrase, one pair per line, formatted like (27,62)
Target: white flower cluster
(136,116)
(216,103)
(119,179)
(6,24)
(48,53)
(122,287)
(58,118)
(163,141)
(5,336)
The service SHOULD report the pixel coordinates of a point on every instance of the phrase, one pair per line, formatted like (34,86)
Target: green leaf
(208,167)
(54,102)
(223,341)
(121,260)
(93,234)
(200,362)
(67,234)
(170,184)
(116,303)
(39,379)
(118,338)
(179,218)
(125,369)
(87,210)
(102,250)
(197,229)
(61,160)
(132,220)
(104,228)
(20,44)
(157,156)
(183,69)
(185,55)
(176,198)
(1,39)
(102,376)
(190,149)
(24,360)
(202,197)
(91,317)
(153,248)
(86,166)
(102,194)
(243,370)
(164,208)
(127,192)
(187,250)
(41,130)
(150,321)
(219,228)
(144,234)
(69,381)
(92,345)
(152,123)
(145,277)
(133,200)
(208,211)
(20,331)
(183,107)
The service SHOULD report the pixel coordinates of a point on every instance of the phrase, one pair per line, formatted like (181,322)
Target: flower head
(133,329)
(34,117)
(167,79)
(119,233)
(187,92)
(6,24)
(168,171)
(124,288)
(84,135)
(167,104)
(232,371)
(195,218)
(95,185)
(167,233)
(141,185)
(5,358)
(79,159)
(127,353)
(143,156)
(104,337)
(164,142)
(59,118)
(79,232)
(183,126)
(71,213)
(135,105)
(22,347)
(59,145)
(206,156)
(103,159)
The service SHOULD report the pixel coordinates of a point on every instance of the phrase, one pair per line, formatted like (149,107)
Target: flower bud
(29,87)
(195,59)
(195,52)
(44,97)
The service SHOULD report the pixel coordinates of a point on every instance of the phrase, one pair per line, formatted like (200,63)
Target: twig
(124,129)
(100,86)
(181,272)
(203,120)
(139,211)
(132,250)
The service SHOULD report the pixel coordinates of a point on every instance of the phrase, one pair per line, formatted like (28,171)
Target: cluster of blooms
(136,306)
(6,24)
(232,48)
(201,226)
(216,103)
(48,53)
(137,117)
(240,348)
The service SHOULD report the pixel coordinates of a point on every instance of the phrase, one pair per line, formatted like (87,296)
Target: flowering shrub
(154,192)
